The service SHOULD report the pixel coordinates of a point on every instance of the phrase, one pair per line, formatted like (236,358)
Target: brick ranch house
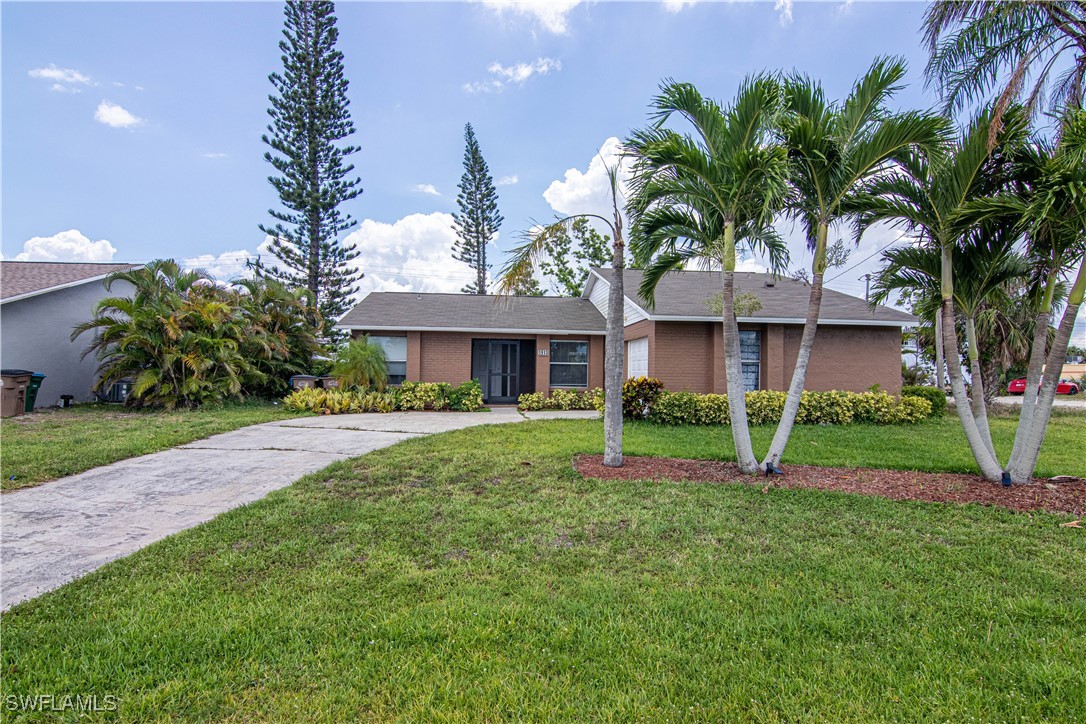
(514,345)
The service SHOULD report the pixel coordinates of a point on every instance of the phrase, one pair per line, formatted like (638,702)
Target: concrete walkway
(59,531)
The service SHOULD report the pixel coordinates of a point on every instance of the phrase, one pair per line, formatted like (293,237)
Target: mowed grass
(475,576)
(51,444)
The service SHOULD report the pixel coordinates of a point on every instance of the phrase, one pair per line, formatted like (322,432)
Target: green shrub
(765,407)
(675,408)
(424,395)
(827,408)
(562,400)
(911,410)
(466,397)
(639,395)
(934,395)
(532,402)
(873,407)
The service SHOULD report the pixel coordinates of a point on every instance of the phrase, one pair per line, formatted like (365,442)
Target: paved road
(1077,402)
(59,531)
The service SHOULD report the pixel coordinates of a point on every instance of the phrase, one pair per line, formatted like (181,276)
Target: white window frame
(373,340)
(588,358)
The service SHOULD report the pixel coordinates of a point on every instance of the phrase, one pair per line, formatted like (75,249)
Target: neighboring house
(40,304)
(514,345)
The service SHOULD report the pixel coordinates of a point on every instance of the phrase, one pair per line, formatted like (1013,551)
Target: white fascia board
(67,285)
(625,296)
(472,330)
(787,320)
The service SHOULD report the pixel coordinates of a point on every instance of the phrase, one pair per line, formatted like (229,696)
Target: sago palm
(705,197)
(834,149)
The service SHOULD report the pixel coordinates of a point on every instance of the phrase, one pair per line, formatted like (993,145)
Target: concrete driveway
(59,531)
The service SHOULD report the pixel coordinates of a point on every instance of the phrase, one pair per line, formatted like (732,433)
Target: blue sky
(132,130)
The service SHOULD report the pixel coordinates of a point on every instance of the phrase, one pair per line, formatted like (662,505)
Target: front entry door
(496,364)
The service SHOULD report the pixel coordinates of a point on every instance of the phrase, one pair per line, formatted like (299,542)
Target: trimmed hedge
(765,407)
(934,395)
(562,400)
(467,397)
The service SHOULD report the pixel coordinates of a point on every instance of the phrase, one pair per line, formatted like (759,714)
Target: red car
(1065,387)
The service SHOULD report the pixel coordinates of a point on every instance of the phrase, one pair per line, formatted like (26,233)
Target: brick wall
(446,356)
(848,358)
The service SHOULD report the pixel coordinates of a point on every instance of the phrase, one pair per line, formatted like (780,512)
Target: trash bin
(13,399)
(32,390)
(299,382)
(329,382)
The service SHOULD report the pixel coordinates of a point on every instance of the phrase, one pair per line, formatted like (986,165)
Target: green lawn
(51,444)
(474,575)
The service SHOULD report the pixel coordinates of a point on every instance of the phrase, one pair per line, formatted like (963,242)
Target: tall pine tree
(478,221)
(309,121)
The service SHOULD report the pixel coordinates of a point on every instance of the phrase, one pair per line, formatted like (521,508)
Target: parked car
(1065,387)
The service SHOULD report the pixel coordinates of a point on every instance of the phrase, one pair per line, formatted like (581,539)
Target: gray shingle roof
(18,278)
(410,310)
(686,293)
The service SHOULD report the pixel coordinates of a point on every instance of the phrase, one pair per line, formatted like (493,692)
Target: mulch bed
(1055,497)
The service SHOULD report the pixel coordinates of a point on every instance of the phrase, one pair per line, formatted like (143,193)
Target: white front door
(637,357)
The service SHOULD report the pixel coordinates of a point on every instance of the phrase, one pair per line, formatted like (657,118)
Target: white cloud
(115,116)
(70,245)
(550,14)
(428,189)
(589,191)
(64,80)
(508,180)
(412,254)
(676,6)
(517,74)
(228,265)
(784,8)
(214,154)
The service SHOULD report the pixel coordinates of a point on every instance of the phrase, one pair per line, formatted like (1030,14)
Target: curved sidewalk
(58,531)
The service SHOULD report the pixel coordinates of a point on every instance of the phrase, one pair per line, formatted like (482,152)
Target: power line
(861,261)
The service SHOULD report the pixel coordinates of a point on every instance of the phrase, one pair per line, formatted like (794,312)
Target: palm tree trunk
(1033,372)
(1021,468)
(613,356)
(940,363)
(733,365)
(980,407)
(989,465)
(803,357)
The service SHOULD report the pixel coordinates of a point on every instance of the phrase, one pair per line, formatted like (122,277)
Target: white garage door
(637,357)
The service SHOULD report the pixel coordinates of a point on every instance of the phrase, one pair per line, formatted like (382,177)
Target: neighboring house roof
(411,311)
(688,296)
(21,279)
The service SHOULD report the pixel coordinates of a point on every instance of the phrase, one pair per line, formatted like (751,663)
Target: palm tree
(1049,205)
(932,198)
(983,267)
(525,258)
(282,339)
(361,363)
(974,44)
(178,338)
(700,197)
(835,149)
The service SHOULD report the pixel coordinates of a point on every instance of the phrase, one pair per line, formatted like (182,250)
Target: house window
(569,364)
(396,353)
(750,352)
